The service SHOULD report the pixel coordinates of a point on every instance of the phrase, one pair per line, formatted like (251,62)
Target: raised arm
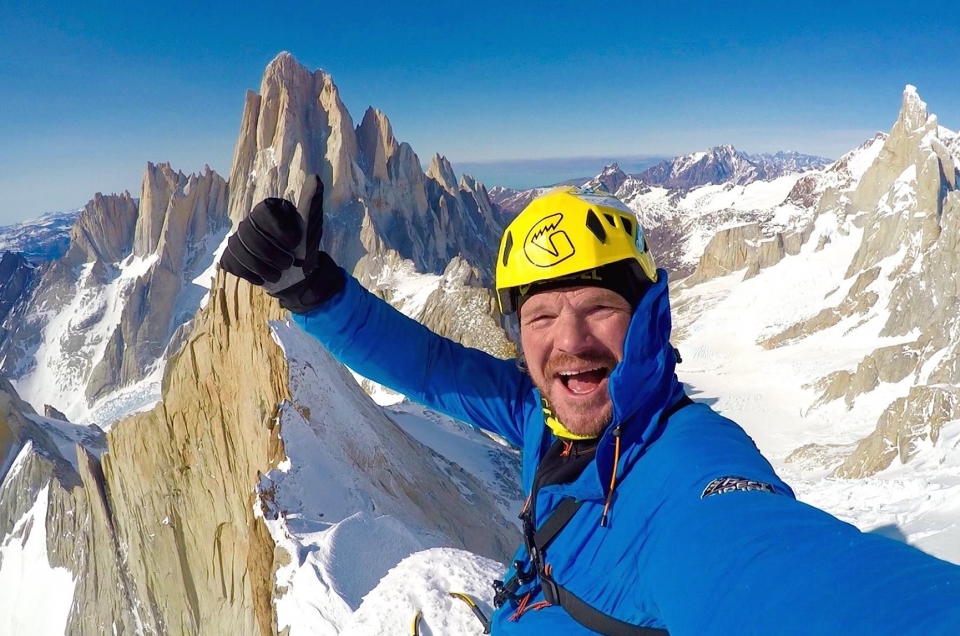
(380,343)
(278,246)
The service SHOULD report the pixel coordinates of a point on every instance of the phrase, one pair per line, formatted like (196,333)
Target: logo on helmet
(546,244)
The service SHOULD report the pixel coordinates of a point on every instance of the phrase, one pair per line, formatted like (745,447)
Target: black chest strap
(556,594)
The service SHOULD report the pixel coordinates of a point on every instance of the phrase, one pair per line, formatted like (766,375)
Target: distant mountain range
(43,239)
(715,166)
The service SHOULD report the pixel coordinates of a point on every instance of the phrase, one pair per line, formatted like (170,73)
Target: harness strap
(556,594)
(596,620)
(555,523)
(537,542)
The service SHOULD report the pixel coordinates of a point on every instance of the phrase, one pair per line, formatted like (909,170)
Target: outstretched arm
(378,342)
(742,560)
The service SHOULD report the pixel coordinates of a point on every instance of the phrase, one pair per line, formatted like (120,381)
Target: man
(647,512)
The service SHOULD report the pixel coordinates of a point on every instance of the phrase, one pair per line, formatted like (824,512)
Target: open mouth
(583,381)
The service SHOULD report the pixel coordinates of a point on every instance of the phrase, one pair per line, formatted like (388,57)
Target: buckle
(500,594)
(551,591)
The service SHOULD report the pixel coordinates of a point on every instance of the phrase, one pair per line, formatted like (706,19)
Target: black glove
(278,246)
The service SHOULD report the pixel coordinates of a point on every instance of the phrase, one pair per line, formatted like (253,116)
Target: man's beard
(589,419)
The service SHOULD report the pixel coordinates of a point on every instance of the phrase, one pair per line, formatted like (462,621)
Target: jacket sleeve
(756,562)
(380,343)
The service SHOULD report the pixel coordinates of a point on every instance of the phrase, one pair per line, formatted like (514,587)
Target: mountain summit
(298,125)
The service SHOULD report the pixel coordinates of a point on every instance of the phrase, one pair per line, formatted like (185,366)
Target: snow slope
(38,596)
(771,392)
(94,311)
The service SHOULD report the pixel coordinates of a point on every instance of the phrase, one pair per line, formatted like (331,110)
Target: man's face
(572,339)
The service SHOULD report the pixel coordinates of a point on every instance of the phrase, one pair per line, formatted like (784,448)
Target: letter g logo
(546,244)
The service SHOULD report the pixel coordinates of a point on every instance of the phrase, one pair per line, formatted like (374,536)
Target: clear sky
(93,90)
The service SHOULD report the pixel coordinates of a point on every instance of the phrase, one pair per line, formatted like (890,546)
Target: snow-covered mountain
(725,164)
(204,500)
(721,165)
(99,319)
(43,239)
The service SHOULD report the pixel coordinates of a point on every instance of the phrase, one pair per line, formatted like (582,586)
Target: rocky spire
(159,184)
(377,143)
(441,171)
(180,214)
(912,158)
(297,125)
(104,231)
(610,179)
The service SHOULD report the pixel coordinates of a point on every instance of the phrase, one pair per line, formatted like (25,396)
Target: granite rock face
(181,219)
(902,428)
(298,125)
(101,317)
(16,276)
(104,231)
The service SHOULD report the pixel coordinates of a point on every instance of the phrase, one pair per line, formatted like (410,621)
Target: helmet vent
(627,225)
(610,220)
(507,248)
(594,225)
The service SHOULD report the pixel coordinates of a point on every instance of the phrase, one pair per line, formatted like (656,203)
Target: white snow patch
(423,582)
(129,400)
(35,598)
(485,456)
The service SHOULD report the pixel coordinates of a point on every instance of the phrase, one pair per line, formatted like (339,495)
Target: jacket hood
(642,387)
(643,384)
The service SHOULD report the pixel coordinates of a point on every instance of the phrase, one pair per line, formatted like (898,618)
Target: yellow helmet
(567,231)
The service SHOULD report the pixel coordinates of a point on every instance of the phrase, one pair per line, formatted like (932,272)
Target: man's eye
(538,319)
(602,309)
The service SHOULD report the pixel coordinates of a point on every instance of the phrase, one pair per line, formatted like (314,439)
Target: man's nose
(573,333)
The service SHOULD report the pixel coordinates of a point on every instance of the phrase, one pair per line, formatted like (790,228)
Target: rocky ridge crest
(169,532)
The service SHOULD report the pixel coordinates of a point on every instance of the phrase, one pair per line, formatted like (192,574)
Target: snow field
(35,597)
(772,393)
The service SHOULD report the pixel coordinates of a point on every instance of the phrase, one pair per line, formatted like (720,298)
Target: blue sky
(93,90)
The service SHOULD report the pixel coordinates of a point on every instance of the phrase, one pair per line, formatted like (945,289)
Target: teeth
(568,374)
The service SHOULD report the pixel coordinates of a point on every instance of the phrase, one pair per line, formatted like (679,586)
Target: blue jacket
(739,562)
